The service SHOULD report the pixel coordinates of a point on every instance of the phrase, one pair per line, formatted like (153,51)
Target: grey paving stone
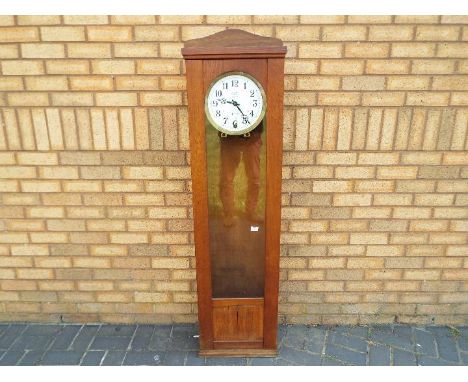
(159,343)
(42,330)
(346,355)
(358,331)
(446,346)
(305,337)
(138,358)
(281,333)
(350,342)
(92,358)
(113,358)
(380,328)
(464,358)
(183,342)
(31,358)
(64,339)
(32,342)
(327,361)
(402,330)
(425,343)
(403,358)
(182,337)
(62,357)
(316,332)
(295,337)
(116,330)
(142,337)
(463,330)
(11,358)
(162,331)
(262,361)
(226,361)
(110,343)
(174,358)
(11,335)
(429,361)
(84,337)
(387,337)
(184,330)
(192,359)
(441,331)
(298,357)
(283,362)
(379,355)
(314,345)
(463,343)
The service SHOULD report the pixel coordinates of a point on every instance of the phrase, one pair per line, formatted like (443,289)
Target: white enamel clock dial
(235,103)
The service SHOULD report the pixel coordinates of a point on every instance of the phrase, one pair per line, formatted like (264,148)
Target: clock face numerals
(235,103)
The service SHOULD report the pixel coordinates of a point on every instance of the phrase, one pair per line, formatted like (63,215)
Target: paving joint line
(89,344)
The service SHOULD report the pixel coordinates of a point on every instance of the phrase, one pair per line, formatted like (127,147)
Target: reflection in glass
(236,212)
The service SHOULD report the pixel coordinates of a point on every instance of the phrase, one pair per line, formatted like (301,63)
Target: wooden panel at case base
(238,320)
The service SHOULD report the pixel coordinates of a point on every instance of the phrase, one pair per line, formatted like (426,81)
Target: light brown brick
(367,50)
(11,83)
(352,200)
(109,33)
(160,98)
(116,99)
(298,33)
(63,33)
(46,83)
(300,66)
(72,99)
(19,34)
(344,33)
(342,67)
(191,32)
(91,83)
(22,67)
(135,49)
(390,33)
(38,20)
(339,99)
(87,50)
(436,33)
(40,186)
(425,99)
(113,67)
(147,19)
(320,50)
(67,67)
(332,186)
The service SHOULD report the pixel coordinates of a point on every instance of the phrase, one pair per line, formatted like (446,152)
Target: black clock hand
(237,104)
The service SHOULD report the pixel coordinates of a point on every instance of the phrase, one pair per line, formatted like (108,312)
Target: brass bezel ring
(258,120)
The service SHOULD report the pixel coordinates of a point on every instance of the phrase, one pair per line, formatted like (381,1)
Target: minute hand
(240,110)
(236,104)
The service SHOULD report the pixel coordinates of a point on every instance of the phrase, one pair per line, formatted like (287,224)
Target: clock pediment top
(233,42)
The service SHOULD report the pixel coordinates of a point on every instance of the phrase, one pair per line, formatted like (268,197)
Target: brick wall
(95,202)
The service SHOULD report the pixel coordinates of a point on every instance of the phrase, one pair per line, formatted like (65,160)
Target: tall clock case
(236,183)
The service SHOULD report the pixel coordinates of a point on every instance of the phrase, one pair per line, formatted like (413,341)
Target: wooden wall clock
(235,104)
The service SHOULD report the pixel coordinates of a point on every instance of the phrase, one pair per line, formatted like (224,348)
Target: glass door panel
(236,212)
